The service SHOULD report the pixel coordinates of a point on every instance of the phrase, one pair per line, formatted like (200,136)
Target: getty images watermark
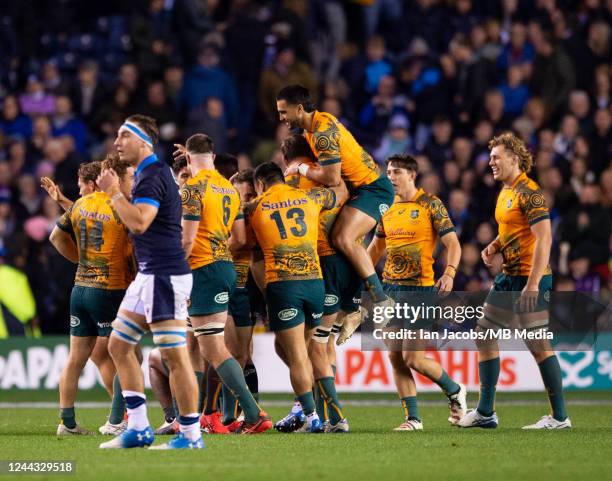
(461,320)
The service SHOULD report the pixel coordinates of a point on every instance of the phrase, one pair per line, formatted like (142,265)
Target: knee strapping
(127,331)
(210,329)
(321,334)
(169,337)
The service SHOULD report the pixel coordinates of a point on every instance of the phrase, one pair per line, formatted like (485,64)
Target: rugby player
(407,233)
(341,157)
(521,292)
(211,212)
(157,299)
(285,221)
(90,233)
(342,291)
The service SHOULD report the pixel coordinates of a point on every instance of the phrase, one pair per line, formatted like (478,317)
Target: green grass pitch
(370,452)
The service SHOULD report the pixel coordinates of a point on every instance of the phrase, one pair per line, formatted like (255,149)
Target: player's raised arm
(55,193)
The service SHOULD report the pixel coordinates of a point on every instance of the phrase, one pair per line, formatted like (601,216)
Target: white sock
(311,417)
(190,431)
(297,407)
(137,417)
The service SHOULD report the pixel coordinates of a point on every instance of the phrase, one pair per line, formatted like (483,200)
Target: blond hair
(515,146)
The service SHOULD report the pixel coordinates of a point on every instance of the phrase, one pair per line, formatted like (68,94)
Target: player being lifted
(408,232)
(211,211)
(157,299)
(90,233)
(341,157)
(342,292)
(523,288)
(285,221)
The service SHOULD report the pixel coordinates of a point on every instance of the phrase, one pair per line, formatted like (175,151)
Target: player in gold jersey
(285,221)
(90,234)
(523,289)
(408,233)
(211,212)
(342,292)
(341,157)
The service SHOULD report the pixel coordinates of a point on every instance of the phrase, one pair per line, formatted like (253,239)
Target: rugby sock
(175,407)
(169,415)
(320,403)
(297,407)
(411,408)
(199,377)
(136,403)
(447,385)
(327,389)
(374,287)
(307,403)
(551,375)
(118,404)
(229,404)
(250,376)
(67,417)
(190,427)
(488,371)
(231,374)
(213,387)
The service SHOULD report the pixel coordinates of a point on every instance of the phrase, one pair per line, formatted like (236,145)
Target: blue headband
(138,132)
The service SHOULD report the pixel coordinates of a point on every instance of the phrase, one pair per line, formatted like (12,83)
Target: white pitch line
(348,402)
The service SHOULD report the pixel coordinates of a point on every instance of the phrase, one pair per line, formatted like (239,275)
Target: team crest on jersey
(74,321)
(383,208)
(287,314)
(330,300)
(509,204)
(222,298)
(414,214)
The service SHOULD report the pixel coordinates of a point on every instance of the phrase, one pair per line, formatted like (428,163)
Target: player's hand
(52,189)
(487,254)
(528,299)
(444,284)
(179,151)
(108,181)
(292,169)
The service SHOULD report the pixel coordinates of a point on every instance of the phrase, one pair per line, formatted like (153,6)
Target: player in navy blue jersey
(157,299)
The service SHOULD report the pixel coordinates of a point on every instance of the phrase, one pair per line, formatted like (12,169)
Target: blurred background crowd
(430,77)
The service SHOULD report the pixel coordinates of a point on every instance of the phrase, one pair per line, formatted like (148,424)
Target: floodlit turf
(370,452)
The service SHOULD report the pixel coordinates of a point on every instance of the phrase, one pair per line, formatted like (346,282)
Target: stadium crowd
(435,79)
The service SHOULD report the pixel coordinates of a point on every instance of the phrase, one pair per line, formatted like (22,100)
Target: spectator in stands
(515,91)
(35,100)
(14,123)
(65,122)
(88,93)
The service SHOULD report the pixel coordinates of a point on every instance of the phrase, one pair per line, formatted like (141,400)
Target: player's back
(333,143)
(105,252)
(327,217)
(285,221)
(212,200)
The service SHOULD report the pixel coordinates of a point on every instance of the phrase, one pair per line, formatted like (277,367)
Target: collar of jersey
(146,162)
(275,187)
(522,176)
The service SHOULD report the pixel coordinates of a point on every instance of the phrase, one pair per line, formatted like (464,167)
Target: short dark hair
(296,146)
(148,124)
(200,144)
(296,95)
(269,173)
(90,171)
(403,161)
(179,164)
(226,164)
(244,176)
(113,161)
